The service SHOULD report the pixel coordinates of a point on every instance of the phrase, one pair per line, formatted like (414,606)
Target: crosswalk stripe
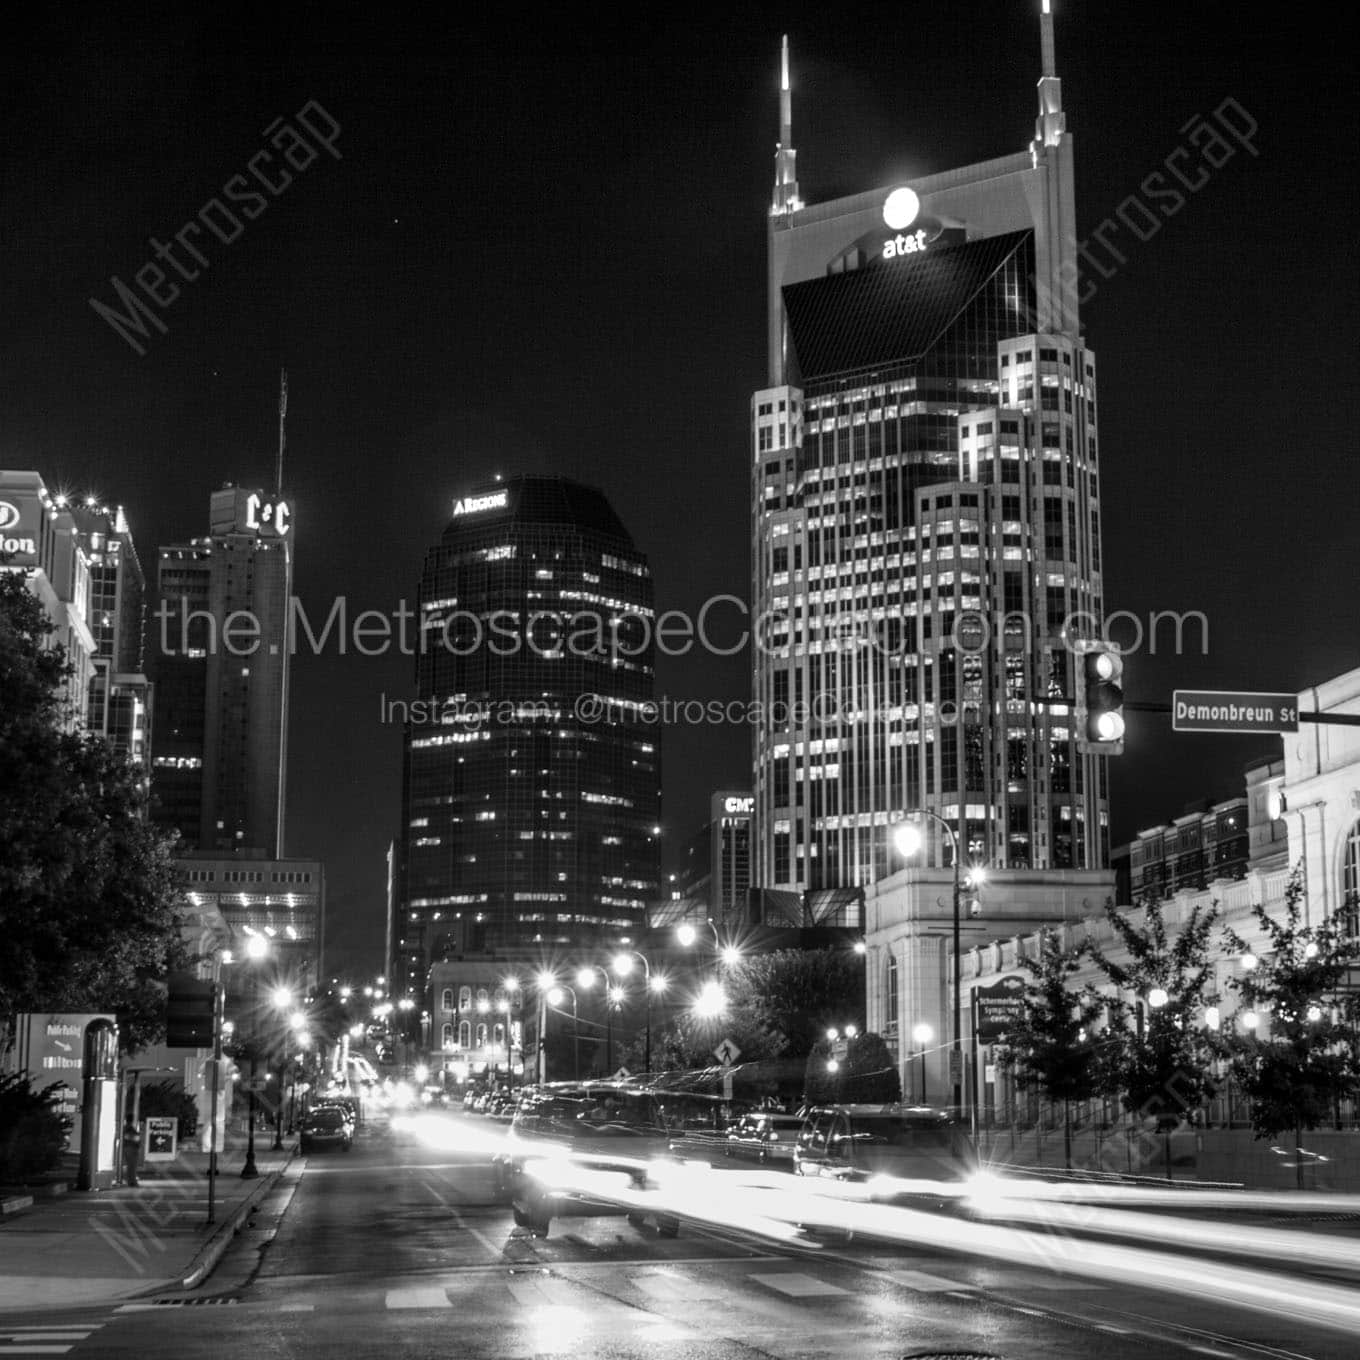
(798,1286)
(661,1286)
(424,1296)
(923,1283)
(297,1308)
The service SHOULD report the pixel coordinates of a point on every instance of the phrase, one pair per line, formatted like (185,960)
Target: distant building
(40,538)
(716,868)
(477,1028)
(282,900)
(120,701)
(529,821)
(221,665)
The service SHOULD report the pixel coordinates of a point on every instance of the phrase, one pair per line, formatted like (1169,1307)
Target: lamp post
(283,1000)
(551,994)
(909,841)
(922,1034)
(623,965)
(257,948)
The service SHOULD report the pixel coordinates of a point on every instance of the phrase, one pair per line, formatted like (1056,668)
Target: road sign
(727,1053)
(955,1066)
(1209,710)
(622,1074)
(1000,1008)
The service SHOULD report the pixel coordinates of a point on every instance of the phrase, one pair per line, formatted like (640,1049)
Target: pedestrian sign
(727,1053)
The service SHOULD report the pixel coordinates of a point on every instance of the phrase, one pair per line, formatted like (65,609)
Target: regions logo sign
(471,505)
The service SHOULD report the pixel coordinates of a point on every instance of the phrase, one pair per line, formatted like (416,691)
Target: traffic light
(190,1010)
(1100,698)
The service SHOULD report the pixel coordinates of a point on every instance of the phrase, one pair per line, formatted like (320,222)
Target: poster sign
(1000,1008)
(51,1049)
(160,1138)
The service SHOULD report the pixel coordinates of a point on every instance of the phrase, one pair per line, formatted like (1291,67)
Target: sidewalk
(85,1248)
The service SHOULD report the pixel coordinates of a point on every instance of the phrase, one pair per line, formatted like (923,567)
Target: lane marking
(926,1284)
(798,1286)
(418,1296)
(297,1308)
(664,1287)
(34,1350)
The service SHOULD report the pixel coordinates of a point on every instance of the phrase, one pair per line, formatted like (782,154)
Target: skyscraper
(925,517)
(531,790)
(120,700)
(220,745)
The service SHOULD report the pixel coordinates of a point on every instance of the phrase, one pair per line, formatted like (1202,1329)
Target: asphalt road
(397,1249)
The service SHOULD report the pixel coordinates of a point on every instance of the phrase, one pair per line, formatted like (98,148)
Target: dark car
(766,1137)
(325,1127)
(588,1127)
(893,1146)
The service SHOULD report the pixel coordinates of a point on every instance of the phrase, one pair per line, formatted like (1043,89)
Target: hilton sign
(9,519)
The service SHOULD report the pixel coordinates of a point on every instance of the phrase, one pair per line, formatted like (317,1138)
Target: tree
(796,995)
(89,902)
(1054,1048)
(1294,1075)
(867,1073)
(1160,1054)
(33,1130)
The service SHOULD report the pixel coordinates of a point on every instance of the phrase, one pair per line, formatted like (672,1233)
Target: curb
(14,1204)
(206,1259)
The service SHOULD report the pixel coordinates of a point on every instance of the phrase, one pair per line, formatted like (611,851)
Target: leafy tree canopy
(89,916)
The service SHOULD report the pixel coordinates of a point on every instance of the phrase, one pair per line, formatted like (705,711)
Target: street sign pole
(212,1119)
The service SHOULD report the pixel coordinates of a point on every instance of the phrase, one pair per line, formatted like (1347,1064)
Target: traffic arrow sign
(727,1053)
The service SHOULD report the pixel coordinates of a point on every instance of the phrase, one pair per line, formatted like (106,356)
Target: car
(766,1137)
(901,1151)
(594,1126)
(696,1123)
(325,1126)
(346,1108)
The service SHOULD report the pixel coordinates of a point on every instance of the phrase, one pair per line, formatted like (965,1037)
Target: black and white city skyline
(543,251)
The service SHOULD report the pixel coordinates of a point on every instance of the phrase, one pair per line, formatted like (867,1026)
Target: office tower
(716,868)
(925,518)
(529,810)
(120,699)
(39,537)
(220,746)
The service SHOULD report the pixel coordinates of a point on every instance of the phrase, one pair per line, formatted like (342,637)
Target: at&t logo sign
(900,210)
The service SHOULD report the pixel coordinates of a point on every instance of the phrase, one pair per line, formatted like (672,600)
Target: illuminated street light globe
(1315,1013)
(547,983)
(585,978)
(556,996)
(712,1000)
(833,1034)
(297,1020)
(1250,1020)
(1158,997)
(1249,962)
(686,934)
(850,1031)
(257,947)
(922,1033)
(832,1065)
(908,839)
(282,998)
(657,983)
(511,983)
(623,964)
(731,955)
(1310,950)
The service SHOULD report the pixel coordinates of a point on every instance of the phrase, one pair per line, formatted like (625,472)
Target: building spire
(283,416)
(786,199)
(1051,124)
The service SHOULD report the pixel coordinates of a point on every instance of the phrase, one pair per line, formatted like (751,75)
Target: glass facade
(531,786)
(927,540)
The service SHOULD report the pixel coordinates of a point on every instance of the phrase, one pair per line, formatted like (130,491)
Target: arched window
(483,998)
(481,1036)
(465,1034)
(890,996)
(446,1036)
(500,1036)
(465,998)
(446,999)
(1350,883)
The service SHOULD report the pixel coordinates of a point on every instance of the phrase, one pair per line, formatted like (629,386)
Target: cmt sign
(262,514)
(471,505)
(738,807)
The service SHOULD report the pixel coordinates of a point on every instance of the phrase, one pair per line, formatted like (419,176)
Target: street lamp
(921,1035)
(552,993)
(711,1001)
(257,949)
(623,965)
(909,841)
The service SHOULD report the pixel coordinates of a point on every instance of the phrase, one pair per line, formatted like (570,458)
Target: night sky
(542,249)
